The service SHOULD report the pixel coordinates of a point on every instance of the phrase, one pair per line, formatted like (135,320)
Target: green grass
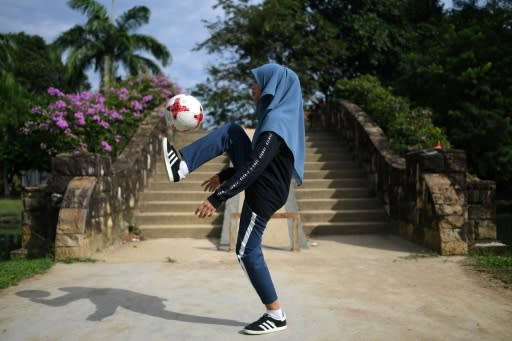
(10,207)
(13,271)
(71,260)
(500,267)
(495,262)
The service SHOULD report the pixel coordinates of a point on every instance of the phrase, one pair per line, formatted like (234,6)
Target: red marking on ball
(176,108)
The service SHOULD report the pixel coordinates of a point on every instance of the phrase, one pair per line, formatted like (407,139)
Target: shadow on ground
(387,242)
(107,300)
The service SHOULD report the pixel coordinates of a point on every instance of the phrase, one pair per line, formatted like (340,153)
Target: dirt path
(344,288)
(372,286)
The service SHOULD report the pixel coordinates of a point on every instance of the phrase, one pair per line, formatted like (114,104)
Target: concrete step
(326,150)
(161,183)
(328,142)
(183,139)
(171,206)
(333,164)
(330,156)
(321,136)
(335,183)
(214,167)
(182,231)
(333,174)
(340,228)
(173,195)
(339,204)
(330,193)
(211,166)
(354,215)
(197,176)
(175,218)
(334,199)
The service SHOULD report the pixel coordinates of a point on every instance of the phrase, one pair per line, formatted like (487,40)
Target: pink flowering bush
(97,122)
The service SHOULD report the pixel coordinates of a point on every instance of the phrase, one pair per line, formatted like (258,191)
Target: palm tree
(106,43)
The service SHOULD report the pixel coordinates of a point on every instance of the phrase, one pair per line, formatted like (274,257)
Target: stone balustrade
(89,200)
(426,193)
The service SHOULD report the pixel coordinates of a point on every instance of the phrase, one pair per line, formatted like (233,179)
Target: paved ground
(344,288)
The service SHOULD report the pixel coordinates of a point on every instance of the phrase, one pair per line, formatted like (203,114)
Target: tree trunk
(5,178)
(107,73)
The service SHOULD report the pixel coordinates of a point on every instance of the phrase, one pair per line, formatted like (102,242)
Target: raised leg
(230,138)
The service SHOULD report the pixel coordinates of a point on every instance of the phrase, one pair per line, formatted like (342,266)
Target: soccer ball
(184,112)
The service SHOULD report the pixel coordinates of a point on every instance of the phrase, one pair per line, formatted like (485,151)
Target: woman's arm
(267,147)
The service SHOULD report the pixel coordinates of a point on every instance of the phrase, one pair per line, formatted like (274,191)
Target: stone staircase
(334,199)
(166,210)
(336,195)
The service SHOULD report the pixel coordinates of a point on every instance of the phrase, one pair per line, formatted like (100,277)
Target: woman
(263,169)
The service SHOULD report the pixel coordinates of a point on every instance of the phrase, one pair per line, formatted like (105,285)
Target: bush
(95,122)
(407,128)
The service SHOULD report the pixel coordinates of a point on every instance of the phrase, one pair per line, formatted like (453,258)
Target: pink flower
(122,94)
(115,116)
(55,92)
(86,95)
(37,110)
(147,98)
(62,123)
(136,105)
(80,119)
(44,125)
(106,147)
(105,124)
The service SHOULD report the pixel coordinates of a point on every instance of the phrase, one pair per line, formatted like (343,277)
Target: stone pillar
(481,224)
(37,223)
(84,179)
(435,188)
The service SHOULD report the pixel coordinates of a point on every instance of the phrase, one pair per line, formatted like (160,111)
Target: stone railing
(425,194)
(88,202)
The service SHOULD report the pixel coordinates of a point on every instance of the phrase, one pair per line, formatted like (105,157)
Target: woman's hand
(205,210)
(211,184)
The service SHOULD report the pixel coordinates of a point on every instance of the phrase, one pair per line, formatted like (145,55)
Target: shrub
(406,127)
(97,122)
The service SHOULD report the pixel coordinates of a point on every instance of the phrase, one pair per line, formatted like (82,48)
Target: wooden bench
(294,216)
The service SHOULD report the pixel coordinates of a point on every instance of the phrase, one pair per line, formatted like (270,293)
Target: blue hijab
(280,109)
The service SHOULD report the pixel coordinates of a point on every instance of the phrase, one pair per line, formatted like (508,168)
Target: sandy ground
(370,287)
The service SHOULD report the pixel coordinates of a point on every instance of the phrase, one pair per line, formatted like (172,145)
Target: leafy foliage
(107,44)
(462,69)
(26,64)
(408,127)
(95,122)
(455,62)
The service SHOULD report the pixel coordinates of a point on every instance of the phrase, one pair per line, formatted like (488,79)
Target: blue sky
(175,23)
